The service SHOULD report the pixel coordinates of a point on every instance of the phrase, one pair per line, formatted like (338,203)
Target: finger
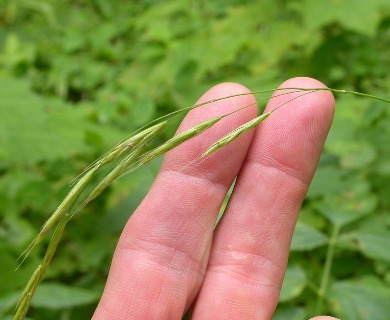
(324,318)
(162,254)
(251,244)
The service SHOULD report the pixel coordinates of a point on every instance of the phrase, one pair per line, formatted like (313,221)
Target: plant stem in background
(327,268)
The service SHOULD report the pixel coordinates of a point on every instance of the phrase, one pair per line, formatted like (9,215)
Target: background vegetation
(77,76)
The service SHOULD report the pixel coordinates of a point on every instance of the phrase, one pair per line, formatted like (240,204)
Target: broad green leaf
(374,245)
(307,238)
(73,40)
(103,35)
(380,222)
(16,52)
(349,117)
(326,180)
(308,215)
(143,111)
(375,283)
(59,296)
(341,210)
(268,41)
(359,156)
(355,301)
(33,130)
(355,202)
(293,284)
(345,139)
(357,15)
(290,313)
(17,231)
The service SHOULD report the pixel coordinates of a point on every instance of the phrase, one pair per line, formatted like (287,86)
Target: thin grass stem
(327,268)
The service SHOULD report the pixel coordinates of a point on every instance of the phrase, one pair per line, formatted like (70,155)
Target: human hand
(169,256)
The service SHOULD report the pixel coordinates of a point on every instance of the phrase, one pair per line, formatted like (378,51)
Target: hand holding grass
(169,257)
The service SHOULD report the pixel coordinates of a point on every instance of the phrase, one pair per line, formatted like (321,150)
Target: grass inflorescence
(131,154)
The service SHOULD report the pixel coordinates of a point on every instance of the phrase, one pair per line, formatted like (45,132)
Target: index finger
(161,258)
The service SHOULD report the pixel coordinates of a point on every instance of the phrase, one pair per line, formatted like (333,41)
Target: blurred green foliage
(77,76)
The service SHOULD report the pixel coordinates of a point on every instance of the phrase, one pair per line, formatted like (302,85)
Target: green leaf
(15,52)
(380,222)
(307,238)
(358,155)
(345,139)
(326,180)
(355,202)
(143,111)
(374,245)
(357,15)
(33,130)
(355,301)
(15,231)
(293,284)
(59,296)
(290,313)
(342,211)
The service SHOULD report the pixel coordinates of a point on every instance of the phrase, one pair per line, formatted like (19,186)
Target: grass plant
(131,154)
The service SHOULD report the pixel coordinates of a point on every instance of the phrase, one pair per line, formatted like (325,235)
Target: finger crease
(279,167)
(164,256)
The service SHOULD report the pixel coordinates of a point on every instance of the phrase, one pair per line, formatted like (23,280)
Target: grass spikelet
(234,134)
(175,141)
(131,143)
(138,146)
(124,146)
(114,173)
(25,300)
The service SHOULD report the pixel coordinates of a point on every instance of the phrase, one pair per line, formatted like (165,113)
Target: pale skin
(170,257)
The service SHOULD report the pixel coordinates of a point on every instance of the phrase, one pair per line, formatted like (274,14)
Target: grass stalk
(327,269)
(24,302)
(129,155)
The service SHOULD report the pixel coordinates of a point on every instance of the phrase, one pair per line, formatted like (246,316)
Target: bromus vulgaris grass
(133,153)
